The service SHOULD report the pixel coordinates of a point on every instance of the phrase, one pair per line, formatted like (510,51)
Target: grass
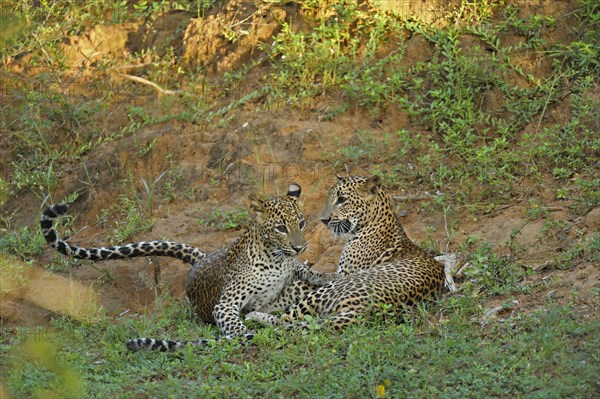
(134,208)
(28,243)
(12,270)
(469,154)
(25,243)
(525,356)
(495,273)
(225,219)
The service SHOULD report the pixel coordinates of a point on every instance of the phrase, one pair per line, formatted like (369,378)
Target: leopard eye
(282,229)
(302,224)
(341,200)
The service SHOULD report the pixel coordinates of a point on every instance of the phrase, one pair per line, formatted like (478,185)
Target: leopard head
(281,223)
(350,204)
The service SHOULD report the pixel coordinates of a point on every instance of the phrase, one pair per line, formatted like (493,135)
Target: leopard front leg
(305,280)
(313,277)
(227,318)
(291,295)
(263,318)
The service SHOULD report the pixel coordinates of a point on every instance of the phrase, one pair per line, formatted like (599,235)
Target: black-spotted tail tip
(294,190)
(136,344)
(57,210)
(133,345)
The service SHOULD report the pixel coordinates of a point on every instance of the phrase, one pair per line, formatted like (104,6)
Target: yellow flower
(380,391)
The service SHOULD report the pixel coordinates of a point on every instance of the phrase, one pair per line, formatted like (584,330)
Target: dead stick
(149,83)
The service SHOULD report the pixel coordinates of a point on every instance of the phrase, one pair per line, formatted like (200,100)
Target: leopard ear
(338,177)
(294,190)
(257,207)
(371,186)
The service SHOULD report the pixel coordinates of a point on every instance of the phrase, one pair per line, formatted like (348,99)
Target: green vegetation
(12,270)
(28,243)
(24,243)
(222,220)
(469,146)
(479,112)
(546,354)
(500,112)
(588,249)
(135,219)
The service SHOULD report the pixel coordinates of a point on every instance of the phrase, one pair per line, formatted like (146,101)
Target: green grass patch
(24,243)
(546,354)
(221,219)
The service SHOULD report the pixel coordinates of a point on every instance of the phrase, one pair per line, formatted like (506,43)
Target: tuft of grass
(37,113)
(24,243)
(224,220)
(135,220)
(587,250)
(310,64)
(492,272)
(49,375)
(12,270)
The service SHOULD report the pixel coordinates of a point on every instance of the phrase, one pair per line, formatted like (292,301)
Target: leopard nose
(299,248)
(325,221)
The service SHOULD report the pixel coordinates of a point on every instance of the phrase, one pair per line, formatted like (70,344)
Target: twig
(548,98)
(242,21)
(131,66)
(92,54)
(463,268)
(416,197)
(493,313)
(149,83)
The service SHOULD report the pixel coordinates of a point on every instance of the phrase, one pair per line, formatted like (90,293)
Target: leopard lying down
(379,263)
(245,276)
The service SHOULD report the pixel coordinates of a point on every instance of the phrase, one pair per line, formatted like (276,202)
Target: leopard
(378,265)
(221,286)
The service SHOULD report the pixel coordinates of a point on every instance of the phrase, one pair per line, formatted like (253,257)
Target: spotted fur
(184,252)
(222,285)
(379,263)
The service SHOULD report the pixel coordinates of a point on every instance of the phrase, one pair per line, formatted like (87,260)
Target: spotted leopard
(379,263)
(245,276)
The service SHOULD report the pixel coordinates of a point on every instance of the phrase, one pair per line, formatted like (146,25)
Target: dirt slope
(212,167)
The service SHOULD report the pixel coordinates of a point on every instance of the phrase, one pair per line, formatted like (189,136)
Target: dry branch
(149,83)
